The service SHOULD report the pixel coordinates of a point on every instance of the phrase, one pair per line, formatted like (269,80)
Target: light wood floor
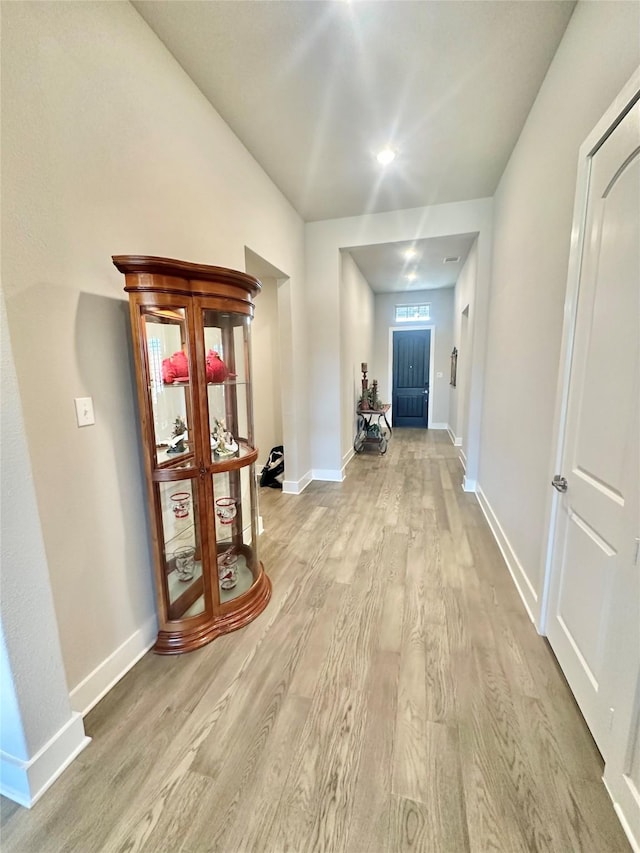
(394,696)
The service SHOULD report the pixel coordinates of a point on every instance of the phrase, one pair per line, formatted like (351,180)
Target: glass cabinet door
(169,383)
(236,534)
(230,422)
(184,587)
(226,341)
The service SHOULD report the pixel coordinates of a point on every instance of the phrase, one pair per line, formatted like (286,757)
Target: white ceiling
(314,88)
(387,268)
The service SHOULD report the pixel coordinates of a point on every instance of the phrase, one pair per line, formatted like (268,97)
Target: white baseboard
(468,485)
(296,487)
(457,442)
(25,782)
(626,826)
(523,584)
(330,475)
(622,817)
(98,683)
(463,458)
(348,456)
(439,426)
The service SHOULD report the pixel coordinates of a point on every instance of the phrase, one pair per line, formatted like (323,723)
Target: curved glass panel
(226,341)
(182,557)
(236,534)
(165,334)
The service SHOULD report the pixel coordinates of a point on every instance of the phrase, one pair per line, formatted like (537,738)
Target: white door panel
(597,516)
(585,587)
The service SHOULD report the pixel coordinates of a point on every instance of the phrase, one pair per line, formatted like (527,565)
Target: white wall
(463,314)
(441,311)
(38,731)
(109,148)
(356,328)
(532,227)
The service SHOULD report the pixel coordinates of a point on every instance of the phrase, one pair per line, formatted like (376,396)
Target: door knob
(560,483)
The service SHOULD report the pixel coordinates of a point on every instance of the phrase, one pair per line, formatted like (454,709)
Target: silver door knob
(560,483)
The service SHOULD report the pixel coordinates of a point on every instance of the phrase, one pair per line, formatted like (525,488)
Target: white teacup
(180,504)
(226,510)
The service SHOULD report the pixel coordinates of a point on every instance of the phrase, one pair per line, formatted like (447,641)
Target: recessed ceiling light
(410,252)
(385,156)
(412,276)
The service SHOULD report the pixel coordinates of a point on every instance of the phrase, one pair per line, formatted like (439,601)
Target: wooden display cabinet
(191,335)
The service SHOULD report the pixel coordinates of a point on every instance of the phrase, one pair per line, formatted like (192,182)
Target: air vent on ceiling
(451,260)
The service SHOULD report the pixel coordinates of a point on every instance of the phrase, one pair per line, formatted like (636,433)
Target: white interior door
(593,620)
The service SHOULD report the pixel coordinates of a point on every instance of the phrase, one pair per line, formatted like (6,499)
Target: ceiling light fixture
(412,276)
(385,156)
(451,260)
(410,252)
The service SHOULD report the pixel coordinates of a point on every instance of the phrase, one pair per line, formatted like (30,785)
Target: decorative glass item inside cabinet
(191,330)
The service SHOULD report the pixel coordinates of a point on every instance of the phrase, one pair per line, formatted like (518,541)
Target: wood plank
(393,696)
(369,827)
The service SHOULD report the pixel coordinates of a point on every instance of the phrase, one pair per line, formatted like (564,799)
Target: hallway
(393,696)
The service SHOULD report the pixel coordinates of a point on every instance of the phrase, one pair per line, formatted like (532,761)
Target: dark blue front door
(411,378)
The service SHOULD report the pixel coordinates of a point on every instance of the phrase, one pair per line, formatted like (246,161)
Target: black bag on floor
(273,472)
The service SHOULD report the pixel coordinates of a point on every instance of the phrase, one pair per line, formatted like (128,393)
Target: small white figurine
(222,441)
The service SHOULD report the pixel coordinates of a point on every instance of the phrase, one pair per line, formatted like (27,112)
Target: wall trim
(523,584)
(98,683)
(468,485)
(455,440)
(626,826)
(438,426)
(348,456)
(25,782)
(329,475)
(296,487)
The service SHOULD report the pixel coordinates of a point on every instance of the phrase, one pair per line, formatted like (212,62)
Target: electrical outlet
(84,411)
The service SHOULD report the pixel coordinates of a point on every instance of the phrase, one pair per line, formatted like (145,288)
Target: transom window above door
(411,313)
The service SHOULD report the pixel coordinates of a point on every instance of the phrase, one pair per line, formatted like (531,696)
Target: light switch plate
(84,411)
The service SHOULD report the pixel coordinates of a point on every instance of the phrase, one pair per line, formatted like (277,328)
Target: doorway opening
(267,343)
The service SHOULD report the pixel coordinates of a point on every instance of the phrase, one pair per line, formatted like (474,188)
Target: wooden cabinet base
(251,604)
